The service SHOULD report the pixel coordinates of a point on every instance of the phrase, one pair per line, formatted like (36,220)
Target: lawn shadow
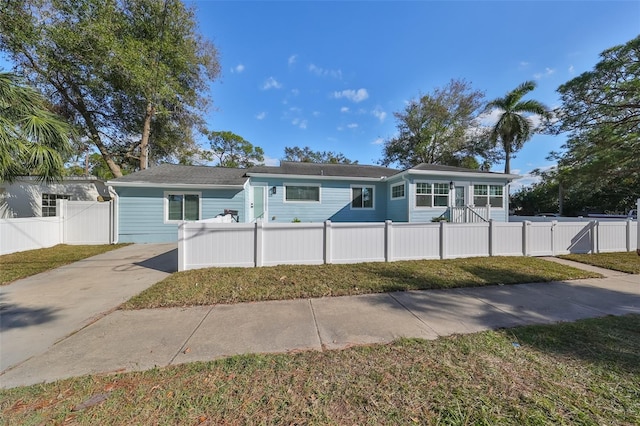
(165,262)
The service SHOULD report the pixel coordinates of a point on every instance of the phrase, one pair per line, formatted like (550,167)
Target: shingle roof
(439,168)
(188,175)
(324,169)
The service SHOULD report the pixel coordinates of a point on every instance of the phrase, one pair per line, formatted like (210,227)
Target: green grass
(233,285)
(628,262)
(587,373)
(26,263)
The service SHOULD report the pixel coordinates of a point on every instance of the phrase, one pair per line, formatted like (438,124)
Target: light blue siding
(334,205)
(398,209)
(141,212)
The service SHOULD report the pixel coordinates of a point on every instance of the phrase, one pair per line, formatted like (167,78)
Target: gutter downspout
(115,231)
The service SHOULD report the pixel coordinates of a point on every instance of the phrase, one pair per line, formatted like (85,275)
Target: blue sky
(330,75)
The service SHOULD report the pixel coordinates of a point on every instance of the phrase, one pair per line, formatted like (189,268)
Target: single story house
(28,196)
(152,202)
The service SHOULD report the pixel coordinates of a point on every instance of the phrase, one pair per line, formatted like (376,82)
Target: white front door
(459,197)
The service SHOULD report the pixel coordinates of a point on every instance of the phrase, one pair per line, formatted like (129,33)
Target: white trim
(165,202)
(284,193)
(373,196)
(171,185)
(316,177)
(393,185)
(458,174)
(505,190)
(433,195)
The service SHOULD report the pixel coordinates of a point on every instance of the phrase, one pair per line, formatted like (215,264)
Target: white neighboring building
(27,197)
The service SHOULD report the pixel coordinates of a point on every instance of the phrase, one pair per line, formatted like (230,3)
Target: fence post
(629,234)
(526,225)
(638,228)
(553,237)
(388,241)
(443,240)
(258,243)
(327,241)
(181,246)
(61,212)
(595,246)
(492,237)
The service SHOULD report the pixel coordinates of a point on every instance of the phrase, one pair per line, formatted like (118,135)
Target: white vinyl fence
(202,245)
(77,222)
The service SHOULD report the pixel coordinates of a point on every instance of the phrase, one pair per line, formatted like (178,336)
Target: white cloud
(571,70)
(323,72)
(527,179)
(271,83)
(261,116)
(353,95)
(344,109)
(300,123)
(547,72)
(237,69)
(295,92)
(352,125)
(379,114)
(378,141)
(523,64)
(292,59)
(270,161)
(316,113)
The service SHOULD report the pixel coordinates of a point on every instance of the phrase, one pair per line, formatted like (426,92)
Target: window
(491,195)
(432,194)
(182,206)
(361,197)
(397,191)
(302,193)
(49,203)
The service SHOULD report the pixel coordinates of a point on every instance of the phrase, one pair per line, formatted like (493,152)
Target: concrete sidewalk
(38,311)
(139,340)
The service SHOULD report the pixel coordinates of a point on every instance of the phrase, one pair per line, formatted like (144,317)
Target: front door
(257,202)
(459,196)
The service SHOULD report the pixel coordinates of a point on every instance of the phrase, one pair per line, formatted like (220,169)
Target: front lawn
(628,262)
(585,372)
(26,263)
(233,285)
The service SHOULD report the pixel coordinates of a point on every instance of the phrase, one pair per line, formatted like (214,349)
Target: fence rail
(77,222)
(203,245)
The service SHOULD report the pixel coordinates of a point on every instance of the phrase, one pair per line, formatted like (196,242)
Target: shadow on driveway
(165,262)
(17,316)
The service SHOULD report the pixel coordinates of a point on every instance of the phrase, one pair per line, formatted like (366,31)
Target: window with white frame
(302,193)
(432,194)
(49,203)
(397,191)
(491,195)
(361,197)
(182,206)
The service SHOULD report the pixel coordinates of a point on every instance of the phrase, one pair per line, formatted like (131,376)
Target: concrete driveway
(38,311)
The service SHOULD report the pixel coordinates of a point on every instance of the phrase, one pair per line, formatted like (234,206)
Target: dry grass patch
(573,373)
(26,263)
(628,262)
(233,285)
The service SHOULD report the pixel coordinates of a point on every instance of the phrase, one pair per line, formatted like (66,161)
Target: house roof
(179,175)
(323,169)
(173,175)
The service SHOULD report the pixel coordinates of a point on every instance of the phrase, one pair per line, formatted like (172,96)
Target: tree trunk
(507,157)
(146,131)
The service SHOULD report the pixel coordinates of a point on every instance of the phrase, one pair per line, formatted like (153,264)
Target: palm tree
(514,128)
(33,140)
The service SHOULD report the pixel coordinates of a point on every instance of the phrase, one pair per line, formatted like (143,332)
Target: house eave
(321,177)
(475,175)
(117,184)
